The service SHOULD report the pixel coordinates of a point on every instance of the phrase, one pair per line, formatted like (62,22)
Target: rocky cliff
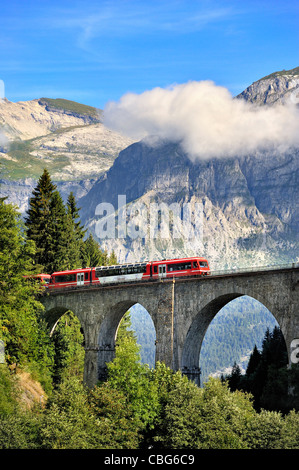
(249,205)
(66,137)
(279,87)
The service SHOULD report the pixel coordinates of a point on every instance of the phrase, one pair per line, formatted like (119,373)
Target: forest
(139,406)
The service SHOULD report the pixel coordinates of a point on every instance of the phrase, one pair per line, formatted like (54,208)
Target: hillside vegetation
(71,106)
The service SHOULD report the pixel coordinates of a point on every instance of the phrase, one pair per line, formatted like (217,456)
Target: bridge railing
(273,267)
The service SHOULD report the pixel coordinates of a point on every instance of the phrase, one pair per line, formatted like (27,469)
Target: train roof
(71,271)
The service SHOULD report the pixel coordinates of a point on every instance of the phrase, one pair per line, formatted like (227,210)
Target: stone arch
(54,314)
(108,332)
(201,321)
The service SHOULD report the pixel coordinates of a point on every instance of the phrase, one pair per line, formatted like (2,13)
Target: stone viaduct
(181,310)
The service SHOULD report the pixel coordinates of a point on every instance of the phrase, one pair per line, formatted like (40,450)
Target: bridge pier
(193,374)
(90,376)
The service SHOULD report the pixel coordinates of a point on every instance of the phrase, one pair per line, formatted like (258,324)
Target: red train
(130,272)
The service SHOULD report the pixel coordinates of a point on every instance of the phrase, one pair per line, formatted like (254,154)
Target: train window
(65,278)
(179,266)
(86,276)
(121,270)
(195,264)
(203,264)
(155,269)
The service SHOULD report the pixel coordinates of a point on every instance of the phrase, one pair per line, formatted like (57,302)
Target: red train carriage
(179,267)
(44,278)
(130,272)
(72,278)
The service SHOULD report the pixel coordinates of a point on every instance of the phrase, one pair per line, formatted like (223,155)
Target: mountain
(68,138)
(278,87)
(249,205)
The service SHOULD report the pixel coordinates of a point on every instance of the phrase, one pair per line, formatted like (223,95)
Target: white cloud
(205,119)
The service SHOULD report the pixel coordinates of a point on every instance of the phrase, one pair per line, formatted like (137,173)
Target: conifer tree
(64,250)
(73,211)
(53,228)
(254,361)
(39,218)
(78,229)
(93,255)
(21,328)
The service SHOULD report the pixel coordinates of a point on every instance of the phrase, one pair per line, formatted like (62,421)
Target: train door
(80,279)
(162,270)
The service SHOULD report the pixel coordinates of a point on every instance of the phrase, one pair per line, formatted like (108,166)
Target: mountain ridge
(278,87)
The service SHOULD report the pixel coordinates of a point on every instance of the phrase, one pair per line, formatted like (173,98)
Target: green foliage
(21,326)
(267,377)
(69,351)
(232,335)
(8,393)
(72,106)
(39,219)
(133,379)
(20,431)
(52,228)
(76,418)
(208,418)
(119,427)
(67,420)
(94,256)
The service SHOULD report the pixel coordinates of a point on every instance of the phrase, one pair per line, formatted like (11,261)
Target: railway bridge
(181,310)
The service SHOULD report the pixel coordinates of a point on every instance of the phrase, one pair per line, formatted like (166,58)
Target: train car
(121,273)
(149,270)
(71,278)
(180,267)
(152,270)
(44,278)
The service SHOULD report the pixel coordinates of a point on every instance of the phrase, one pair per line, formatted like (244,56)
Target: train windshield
(203,264)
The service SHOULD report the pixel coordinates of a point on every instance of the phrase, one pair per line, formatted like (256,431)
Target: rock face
(279,87)
(30,119)
(249,206)
(67,138)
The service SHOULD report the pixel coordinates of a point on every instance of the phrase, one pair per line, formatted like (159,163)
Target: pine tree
(235,377)
(93,255)
(53,228)
(78,229)
(254,361)
(112,258)
(73,211)
(64,252)
(39,218)
(21,328)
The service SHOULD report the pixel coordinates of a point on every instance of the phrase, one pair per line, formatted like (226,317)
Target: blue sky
(96,51)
